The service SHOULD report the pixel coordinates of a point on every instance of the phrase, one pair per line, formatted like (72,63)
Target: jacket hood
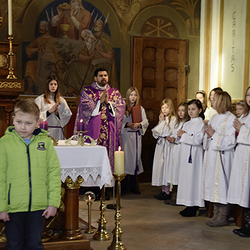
(37,132)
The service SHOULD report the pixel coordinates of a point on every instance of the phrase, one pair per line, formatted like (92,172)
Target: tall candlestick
(119,162)
(10,16)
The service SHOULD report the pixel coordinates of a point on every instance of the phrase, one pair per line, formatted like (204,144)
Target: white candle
(10,16)
(119,162)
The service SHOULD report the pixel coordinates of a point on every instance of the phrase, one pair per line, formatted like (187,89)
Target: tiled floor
(149,224)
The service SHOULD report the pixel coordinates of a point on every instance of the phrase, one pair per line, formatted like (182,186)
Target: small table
(85,166)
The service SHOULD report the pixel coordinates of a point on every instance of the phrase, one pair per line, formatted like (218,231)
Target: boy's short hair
(27,106)
(223,102)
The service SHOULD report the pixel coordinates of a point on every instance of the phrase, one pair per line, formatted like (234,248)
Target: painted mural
(72,41)
(72,38)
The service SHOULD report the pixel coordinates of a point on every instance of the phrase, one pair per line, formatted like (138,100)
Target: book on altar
(136,114)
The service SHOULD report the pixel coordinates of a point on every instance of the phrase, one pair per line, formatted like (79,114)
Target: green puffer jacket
(29,174)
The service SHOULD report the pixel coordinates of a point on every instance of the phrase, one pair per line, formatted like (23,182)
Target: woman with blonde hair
(219,144)
(131,136)
(210,111)
(161,132)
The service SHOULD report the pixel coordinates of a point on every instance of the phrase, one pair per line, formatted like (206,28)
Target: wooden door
(158,71)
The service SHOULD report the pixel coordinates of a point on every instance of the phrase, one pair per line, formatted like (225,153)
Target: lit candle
(119,162)
(44,125)
(80,125)
(10,16)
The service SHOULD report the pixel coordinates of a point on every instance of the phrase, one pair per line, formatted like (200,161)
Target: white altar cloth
(90,162)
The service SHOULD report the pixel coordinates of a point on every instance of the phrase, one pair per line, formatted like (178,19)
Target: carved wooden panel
(9,91)
(158,72)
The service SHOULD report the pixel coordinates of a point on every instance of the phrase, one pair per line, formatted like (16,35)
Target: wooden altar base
(82,244)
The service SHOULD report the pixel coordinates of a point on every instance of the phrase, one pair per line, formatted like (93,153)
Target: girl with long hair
(131,136)
(191,157)
(161,132)
(53,108)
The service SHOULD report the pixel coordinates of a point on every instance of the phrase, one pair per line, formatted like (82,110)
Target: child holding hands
(191,156)
(29,178)
(240,108)
(162,150)
(239,184)
(174,162)
(53,108)
(218,143)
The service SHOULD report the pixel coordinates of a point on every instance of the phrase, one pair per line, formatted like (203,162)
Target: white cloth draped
(63,111)
(132,144)
(90,162)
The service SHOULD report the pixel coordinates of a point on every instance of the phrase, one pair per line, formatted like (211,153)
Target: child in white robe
(202,96)
(131,136)
(160,132)
(174,161)
(191,156)
(210,111)
(239,184)
(240,108)
(219,143)
(53,108)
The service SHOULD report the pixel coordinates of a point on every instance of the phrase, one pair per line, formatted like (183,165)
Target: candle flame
(81,120)
(119,148)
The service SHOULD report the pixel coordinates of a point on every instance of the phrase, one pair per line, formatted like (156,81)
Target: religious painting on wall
(72,40)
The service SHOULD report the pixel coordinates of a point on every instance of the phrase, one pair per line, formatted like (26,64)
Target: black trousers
(24,230)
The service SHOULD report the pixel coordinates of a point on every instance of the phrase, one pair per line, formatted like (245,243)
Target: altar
(90,162)
(80,166)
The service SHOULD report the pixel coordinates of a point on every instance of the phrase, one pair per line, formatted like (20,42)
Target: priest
(102,108)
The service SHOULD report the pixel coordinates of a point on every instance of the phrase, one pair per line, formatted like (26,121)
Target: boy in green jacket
(29,178)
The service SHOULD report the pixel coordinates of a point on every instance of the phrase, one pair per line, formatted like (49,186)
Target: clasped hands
(104,97)
(180,132)
(237,124)
(210,131)
(54,109)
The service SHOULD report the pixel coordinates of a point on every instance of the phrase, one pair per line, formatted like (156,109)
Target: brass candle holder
(101,233)
(11,55)
(89,197)
(117,244)
(81,139)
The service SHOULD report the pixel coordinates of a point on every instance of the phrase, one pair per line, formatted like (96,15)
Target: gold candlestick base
(101,233)
(117,244)
(11,54)
(81,139)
